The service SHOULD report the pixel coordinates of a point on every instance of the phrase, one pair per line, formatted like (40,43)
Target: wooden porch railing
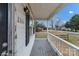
(63,47)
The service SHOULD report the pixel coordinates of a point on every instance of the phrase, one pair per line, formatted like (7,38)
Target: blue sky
(65,14)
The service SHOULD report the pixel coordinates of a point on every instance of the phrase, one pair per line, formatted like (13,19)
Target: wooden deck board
(41,47)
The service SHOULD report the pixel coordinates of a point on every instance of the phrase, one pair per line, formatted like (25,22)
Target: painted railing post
(69,51)
(74,52)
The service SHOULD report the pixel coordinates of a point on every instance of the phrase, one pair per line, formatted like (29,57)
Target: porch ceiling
(44,10)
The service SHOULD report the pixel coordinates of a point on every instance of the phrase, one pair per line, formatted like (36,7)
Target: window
(27,14)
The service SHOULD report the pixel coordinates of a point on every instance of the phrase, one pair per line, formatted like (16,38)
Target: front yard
(73,38)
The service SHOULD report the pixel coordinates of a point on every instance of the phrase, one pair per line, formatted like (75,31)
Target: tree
(73,23)
(39,26)
(67,25)
(35,23)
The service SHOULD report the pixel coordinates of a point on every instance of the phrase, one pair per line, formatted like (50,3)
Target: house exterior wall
(20,48)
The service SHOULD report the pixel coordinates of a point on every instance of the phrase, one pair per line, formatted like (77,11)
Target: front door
(3,28)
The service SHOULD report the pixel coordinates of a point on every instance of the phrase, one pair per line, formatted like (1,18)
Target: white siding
(20,48)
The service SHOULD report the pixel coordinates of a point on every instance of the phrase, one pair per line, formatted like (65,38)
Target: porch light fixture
(26,10)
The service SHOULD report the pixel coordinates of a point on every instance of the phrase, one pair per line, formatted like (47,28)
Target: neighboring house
(65,29)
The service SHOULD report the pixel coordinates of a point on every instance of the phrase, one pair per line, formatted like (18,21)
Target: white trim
(13,29)
(10,16)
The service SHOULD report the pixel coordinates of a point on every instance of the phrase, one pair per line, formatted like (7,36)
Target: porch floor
(41,47)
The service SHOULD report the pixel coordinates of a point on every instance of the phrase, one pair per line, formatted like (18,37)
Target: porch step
(41,47)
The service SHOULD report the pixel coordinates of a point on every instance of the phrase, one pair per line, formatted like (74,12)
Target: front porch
(42,47)
(48,45)
(22,41)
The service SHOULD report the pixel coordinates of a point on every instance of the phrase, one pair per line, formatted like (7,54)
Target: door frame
(11,29)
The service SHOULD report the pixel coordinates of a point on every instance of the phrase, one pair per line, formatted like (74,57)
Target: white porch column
(32,26)
(47,29)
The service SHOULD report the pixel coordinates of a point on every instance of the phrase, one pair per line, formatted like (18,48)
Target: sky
(68,11)
(64,15)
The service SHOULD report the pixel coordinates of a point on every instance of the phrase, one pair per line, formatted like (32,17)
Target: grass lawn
(55,32)
(41,34)
(78,30)
(74,39)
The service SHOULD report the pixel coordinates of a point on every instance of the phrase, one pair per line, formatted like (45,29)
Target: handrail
(58,44)
(68,43)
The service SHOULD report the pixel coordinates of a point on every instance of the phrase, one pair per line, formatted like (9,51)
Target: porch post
(47,29)
(32,26)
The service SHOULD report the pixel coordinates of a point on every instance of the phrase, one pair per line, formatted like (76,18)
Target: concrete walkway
(41,47)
